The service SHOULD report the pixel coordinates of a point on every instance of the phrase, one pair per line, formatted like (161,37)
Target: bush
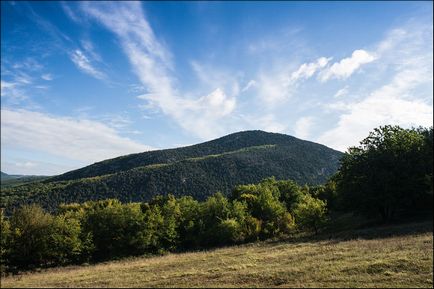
(310,213)
(262,202)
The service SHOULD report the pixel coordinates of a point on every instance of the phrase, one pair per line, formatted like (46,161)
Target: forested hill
(229,143)
(198,170)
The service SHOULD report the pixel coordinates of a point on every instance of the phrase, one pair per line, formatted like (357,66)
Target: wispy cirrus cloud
(47,76)
(15,82)
(276,87)
(84,64)
(341,92)
(152,63)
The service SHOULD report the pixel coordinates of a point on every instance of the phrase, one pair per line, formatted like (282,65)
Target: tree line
(104,230)
(388,175)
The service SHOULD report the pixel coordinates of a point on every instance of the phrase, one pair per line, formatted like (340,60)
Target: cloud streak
(84,64)
(74,139)
(152,63)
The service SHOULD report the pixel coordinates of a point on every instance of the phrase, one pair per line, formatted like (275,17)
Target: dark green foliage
(390,172)
(234,142)
(327,193)
(214,210)
(4,241)
(190,222)
(198,171)
(108,229)
(30,240)
(116,229)
(38,238)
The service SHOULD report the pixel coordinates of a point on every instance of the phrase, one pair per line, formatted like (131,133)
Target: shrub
(310,213)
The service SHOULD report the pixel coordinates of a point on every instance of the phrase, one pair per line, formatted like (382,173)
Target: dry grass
(396,261)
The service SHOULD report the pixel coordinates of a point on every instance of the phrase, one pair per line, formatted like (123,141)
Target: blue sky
(86,81)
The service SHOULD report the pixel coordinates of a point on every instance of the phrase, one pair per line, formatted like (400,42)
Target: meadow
(382,256)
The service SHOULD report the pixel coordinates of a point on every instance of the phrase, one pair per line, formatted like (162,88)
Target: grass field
(392,256)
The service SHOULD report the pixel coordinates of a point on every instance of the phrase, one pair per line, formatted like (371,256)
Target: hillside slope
(396,256)
(198,170)
(229,143)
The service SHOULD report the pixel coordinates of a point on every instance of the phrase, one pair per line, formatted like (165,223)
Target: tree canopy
(389,172)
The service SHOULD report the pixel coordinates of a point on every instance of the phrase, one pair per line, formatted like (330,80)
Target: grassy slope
(394,256)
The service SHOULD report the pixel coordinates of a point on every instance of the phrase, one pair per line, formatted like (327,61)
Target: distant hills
(198,170)
(16,180)
(5,176)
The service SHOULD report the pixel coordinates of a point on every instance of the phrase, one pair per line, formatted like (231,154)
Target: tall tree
(387,172)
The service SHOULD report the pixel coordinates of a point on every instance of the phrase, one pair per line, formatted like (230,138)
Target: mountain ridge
(198,170)
(204,148)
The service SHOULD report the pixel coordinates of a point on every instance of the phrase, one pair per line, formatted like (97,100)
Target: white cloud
(303,127)
(7,86)
(341,92)
(250,84)
(71,14)
(276,87)
(25,164)
(363,117)
(13,90)
(84,64)
(213,77)
(153,66)
(398,102)
(347,66)
(306,70)
(47,76)
(74,139)
(201,116)
(90,49)
(22,166)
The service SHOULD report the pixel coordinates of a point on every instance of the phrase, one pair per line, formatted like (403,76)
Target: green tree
(263,203)
(116,229)
(213,211)
(65,242)
(4,241)
(387,173)
(31,243)
(190,223)
(310,213)
(166,216)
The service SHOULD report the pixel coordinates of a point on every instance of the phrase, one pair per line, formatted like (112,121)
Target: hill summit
(197,170)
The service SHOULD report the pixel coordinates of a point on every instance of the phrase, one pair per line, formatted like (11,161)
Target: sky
(86,81)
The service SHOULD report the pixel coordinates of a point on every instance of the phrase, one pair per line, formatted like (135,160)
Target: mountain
(16,180)
(5,176)
(198,170)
